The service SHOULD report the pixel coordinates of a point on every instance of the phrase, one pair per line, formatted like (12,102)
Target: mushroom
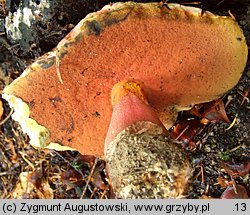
(142,160)
(183,57)
(237,192)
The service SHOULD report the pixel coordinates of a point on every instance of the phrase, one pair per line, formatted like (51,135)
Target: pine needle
(233,122)
(58,66)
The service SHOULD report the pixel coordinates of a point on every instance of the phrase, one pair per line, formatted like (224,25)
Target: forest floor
(29,173)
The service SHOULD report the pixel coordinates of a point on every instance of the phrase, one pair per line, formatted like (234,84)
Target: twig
(5,173)
(27,160)
(234,185)
(234,149)
(7,117)
(93,193)
(245,95)
(14,46)
(103,193)
(207,189)
(199,173)
(182,132)
(58,66)
(232,16)
(220,2)
(229,99)
(90,175)
(202,174)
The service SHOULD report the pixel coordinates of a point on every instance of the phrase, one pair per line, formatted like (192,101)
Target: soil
(71,175)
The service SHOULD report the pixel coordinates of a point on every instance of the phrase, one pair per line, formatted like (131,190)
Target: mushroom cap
(182,56)
(237,192)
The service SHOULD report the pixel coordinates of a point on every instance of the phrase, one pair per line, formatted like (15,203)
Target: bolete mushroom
(183,57)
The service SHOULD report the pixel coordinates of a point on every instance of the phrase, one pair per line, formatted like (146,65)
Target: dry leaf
(71,177)
(215,112)
(31,189)
(185,131)
(212,111)
(23,189)
(89,159)
(233,168)
(45,191)
(224,182)
(97,180)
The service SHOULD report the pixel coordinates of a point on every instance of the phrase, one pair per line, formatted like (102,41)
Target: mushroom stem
(130,105)
(142,160)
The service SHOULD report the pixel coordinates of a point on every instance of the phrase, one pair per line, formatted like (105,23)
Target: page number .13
(240,207)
